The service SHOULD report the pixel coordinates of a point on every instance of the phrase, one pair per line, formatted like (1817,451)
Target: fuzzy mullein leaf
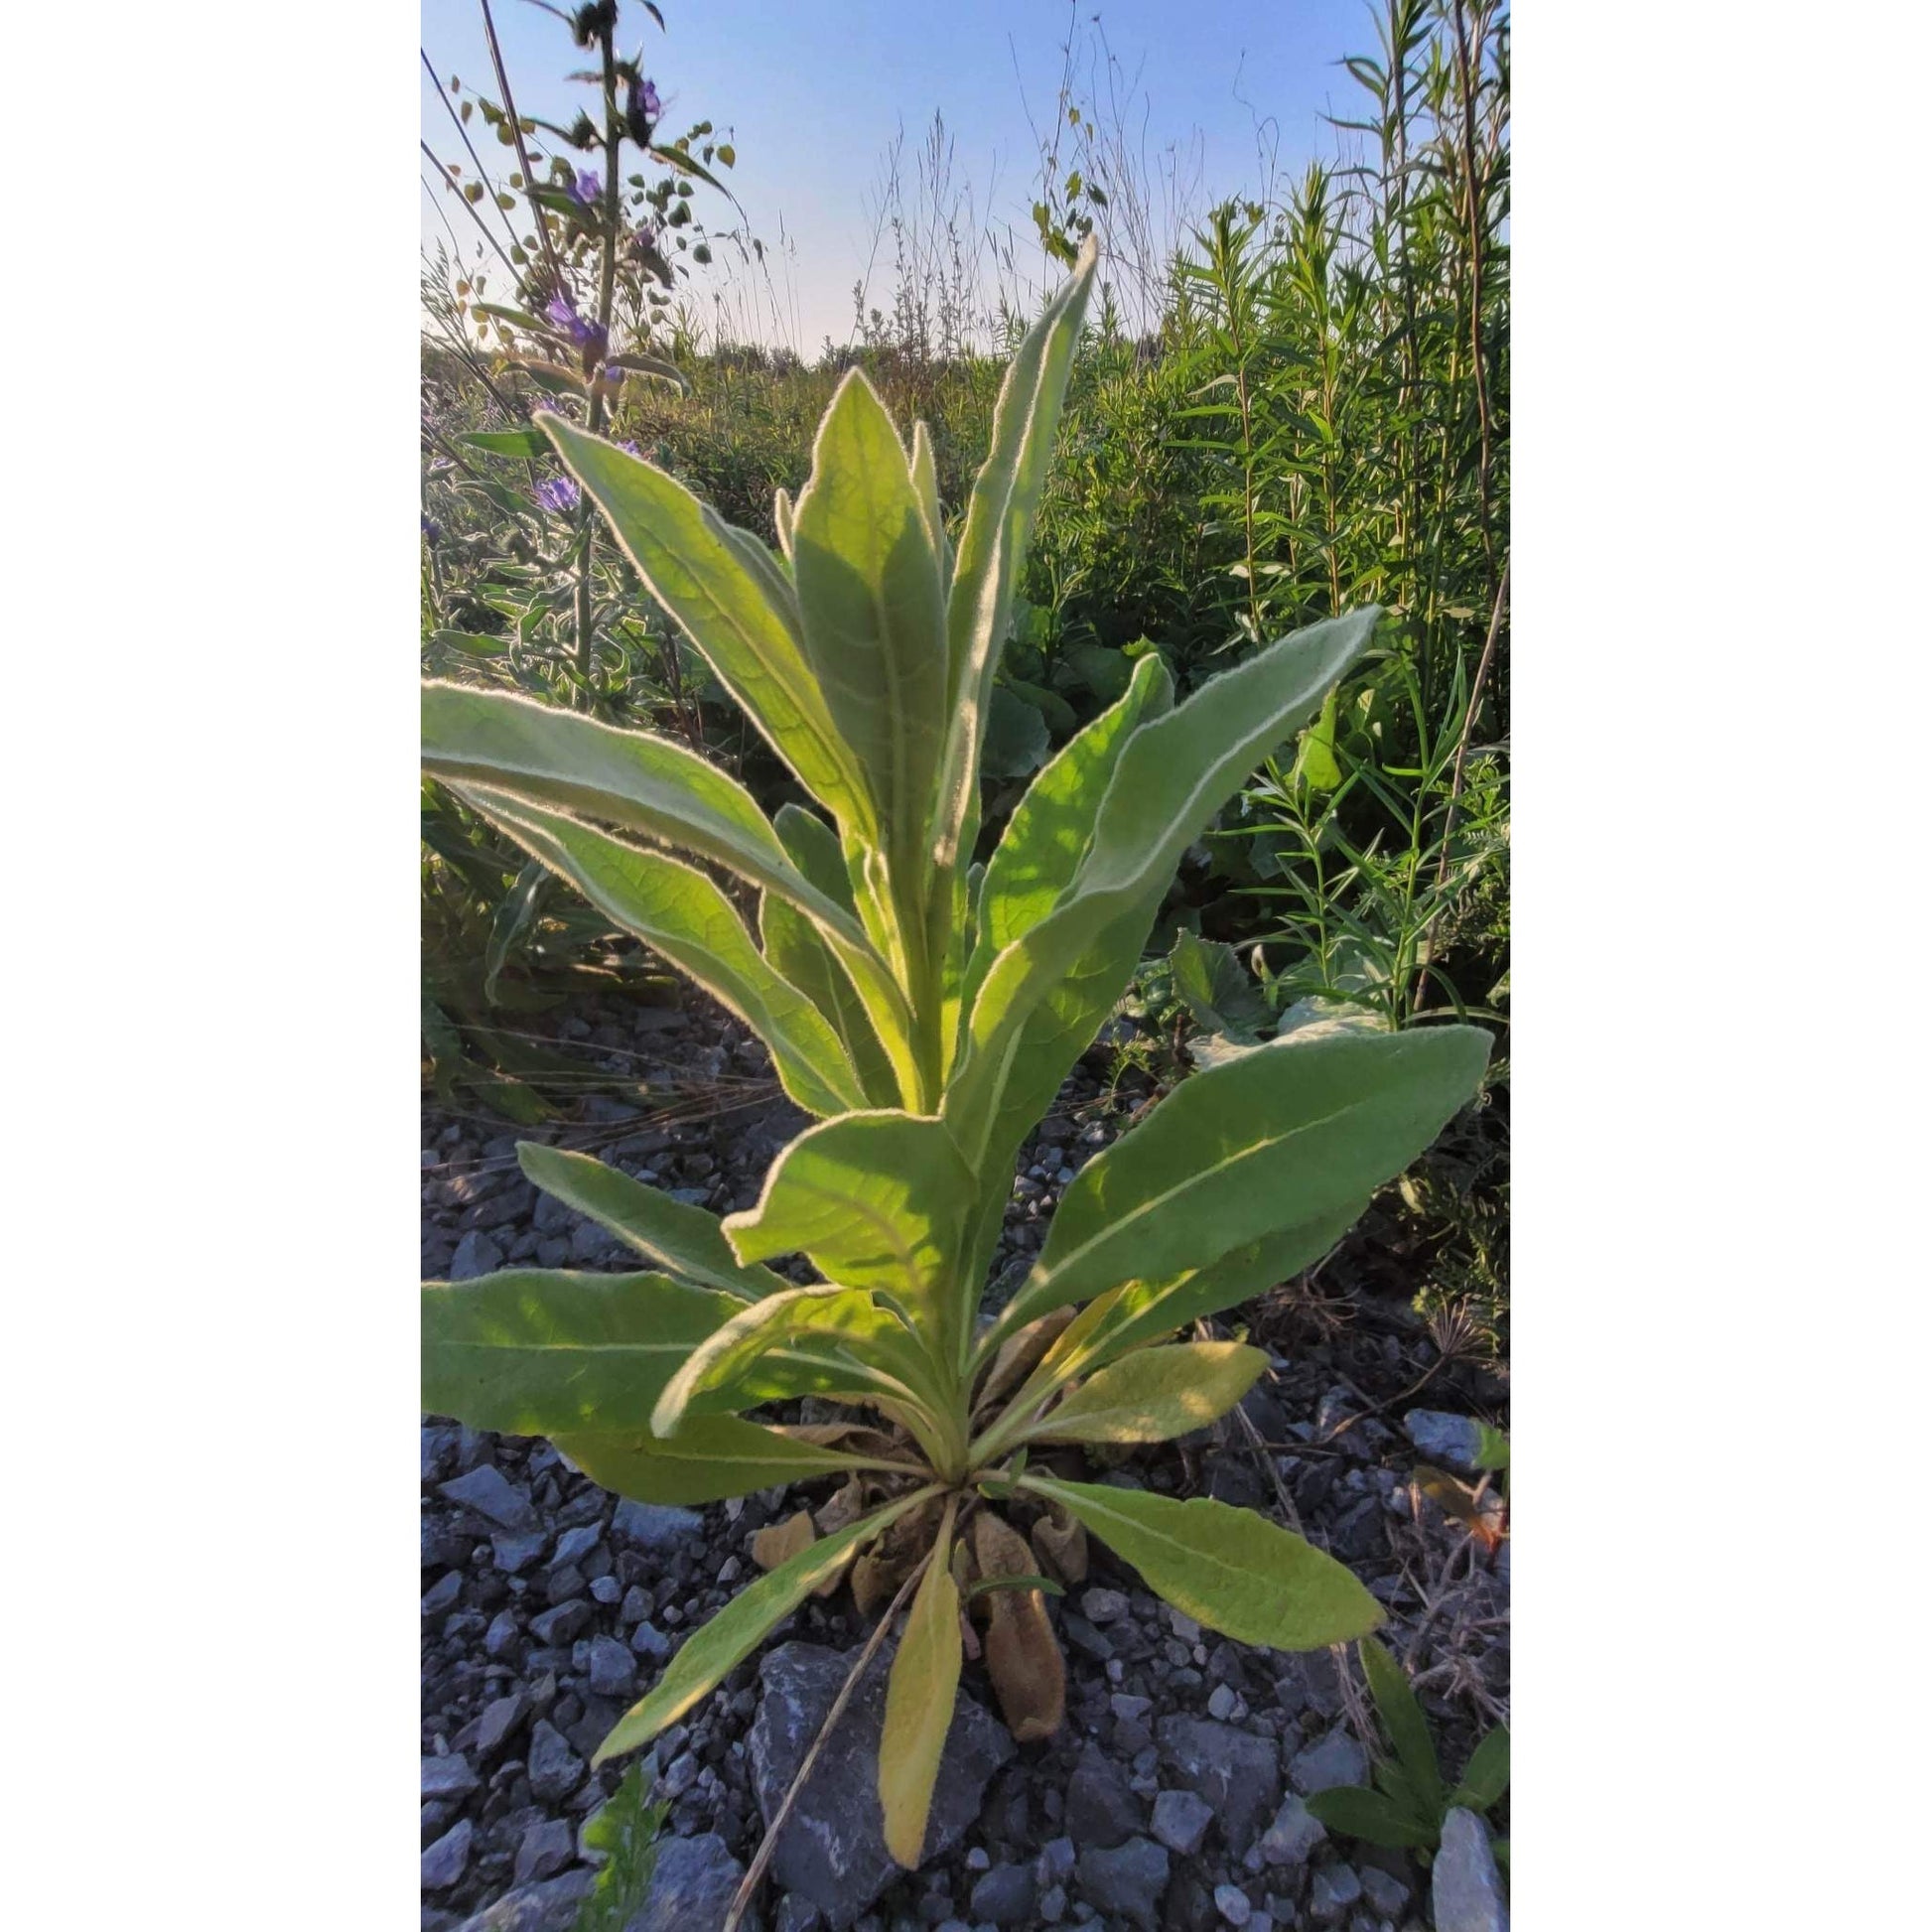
(675,909)
(710,1459)
(874,617)
(681,1239)
(879,1201)
(519,749)
(795,949)
(993,546)
(1156,1394)
(830,1341)
(1226,1568)
(1172,776)
(749,632)
(920,1698)
(710,1651)
(1357,1812)
(534,1351)
(1486,1775)
(1402,1718)
(1023,1656)
(1279,1138)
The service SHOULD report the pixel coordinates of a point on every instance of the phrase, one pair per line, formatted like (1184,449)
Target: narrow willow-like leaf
(1287,1135)
(993,546)
(1402,1719)
(674,908)
(684,552)
(538,1351)
(709,1459)
(878,1200)
(681,1239)
(833,1341)
(919,1697)
(714,1648)
(874,617)
(1156,1394)
(1168,782)
(1357,1812)
(1229,1569)
(1486,1775)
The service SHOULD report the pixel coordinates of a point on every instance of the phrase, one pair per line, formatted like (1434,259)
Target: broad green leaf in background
(679,912)
(681,1239)
(878,1200)
(683,551)
(710,1458)
(1219,991)
(1402,1718)
(874,617)
(712,1650)
(920,1698)
(509,441)
(833,1341)
(1281,1137)
(534,1351)
(1017,739)
(1156,1394)
(1229,1569)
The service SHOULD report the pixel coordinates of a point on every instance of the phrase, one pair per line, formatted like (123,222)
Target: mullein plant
(925,1008)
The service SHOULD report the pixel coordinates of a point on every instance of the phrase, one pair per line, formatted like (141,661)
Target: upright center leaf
(873,607)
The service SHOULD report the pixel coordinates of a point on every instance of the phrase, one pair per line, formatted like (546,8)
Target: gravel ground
(1172,1797)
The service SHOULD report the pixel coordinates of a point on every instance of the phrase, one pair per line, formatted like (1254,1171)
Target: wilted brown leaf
(1023,1656)
(1060,1544)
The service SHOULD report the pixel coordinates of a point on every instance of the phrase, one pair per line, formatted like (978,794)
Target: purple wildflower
(645,242)
(629,445)
(586,189)
(642,108)
(432,531)
(587,336)
(559,494)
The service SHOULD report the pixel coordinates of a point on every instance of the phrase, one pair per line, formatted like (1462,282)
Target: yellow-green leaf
(1156,1394)
(710,1458)
(713,1649)
(1229,1569)
(538,1351)
(919,1699)
(681,1239)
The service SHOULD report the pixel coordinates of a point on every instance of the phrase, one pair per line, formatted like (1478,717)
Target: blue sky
(815,92)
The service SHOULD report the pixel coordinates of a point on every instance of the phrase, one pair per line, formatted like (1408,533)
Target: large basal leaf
(681,1239)
(1229,1569)
(537,1351)
(710,1458)
(674,908)
(713,1649)
(831,1342)
(919,1697)
(874,617)
(748,633)
(1171,776)
(1156,1394)
(878,1200)
(1282,1137)
(993,546)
